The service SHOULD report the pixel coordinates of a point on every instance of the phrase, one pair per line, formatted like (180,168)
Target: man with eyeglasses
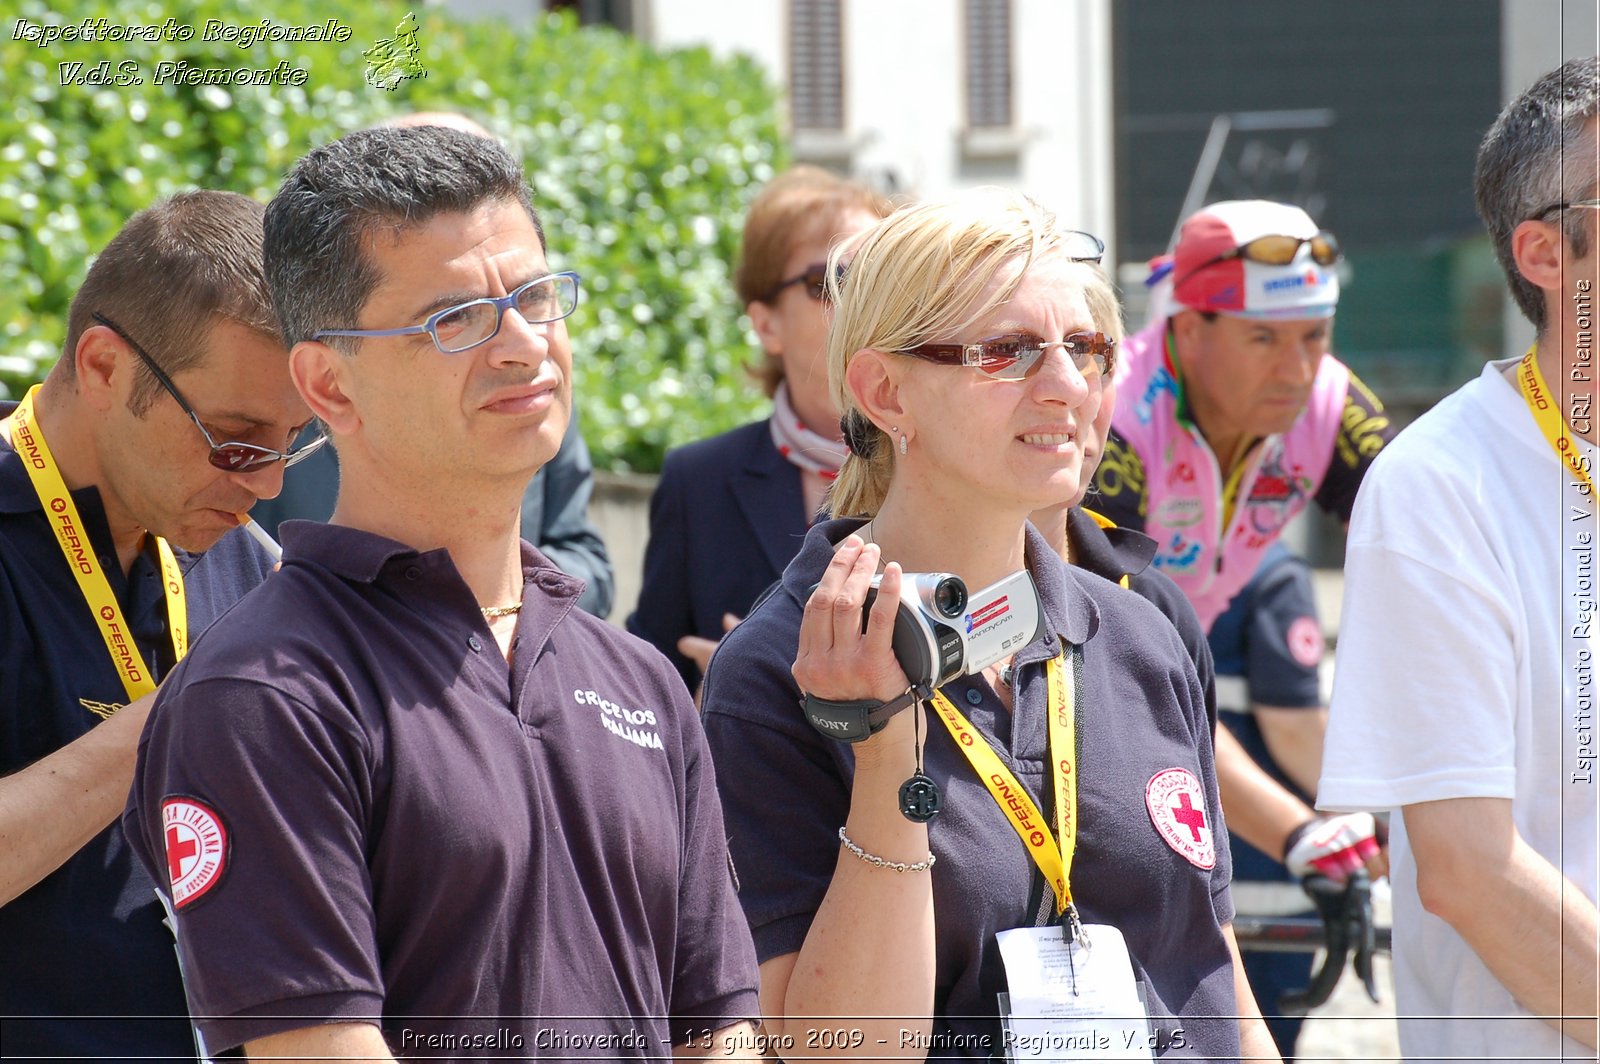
(411,801)
(122,478)
(1232,417)
(1466,692)
(555,508)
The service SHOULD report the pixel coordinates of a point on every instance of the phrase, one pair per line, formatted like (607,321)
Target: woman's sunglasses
(1012,357)
(814,277)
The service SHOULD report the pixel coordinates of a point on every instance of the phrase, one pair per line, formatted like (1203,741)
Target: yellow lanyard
(1055,862)
(1551,423)
(80,556)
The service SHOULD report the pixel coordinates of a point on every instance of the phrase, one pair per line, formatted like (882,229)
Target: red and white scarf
(810,451)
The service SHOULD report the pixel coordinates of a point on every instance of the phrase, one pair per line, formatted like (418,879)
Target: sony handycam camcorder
(942,631)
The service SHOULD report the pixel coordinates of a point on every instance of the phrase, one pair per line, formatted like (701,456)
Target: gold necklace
(494,613)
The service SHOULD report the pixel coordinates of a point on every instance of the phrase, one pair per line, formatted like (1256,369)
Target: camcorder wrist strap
(1055,861)
(855,721)
(920,797)
(73,538)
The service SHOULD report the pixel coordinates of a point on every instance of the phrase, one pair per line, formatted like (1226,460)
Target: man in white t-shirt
(1466,691)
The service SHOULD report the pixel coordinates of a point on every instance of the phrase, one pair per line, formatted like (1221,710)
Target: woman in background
(730,511)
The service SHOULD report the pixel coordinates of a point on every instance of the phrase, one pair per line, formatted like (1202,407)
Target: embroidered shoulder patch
(1177,808)
(1305,641)
(197,848)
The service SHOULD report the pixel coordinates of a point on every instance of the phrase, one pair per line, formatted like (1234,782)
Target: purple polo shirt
(1140,714)
(364,813)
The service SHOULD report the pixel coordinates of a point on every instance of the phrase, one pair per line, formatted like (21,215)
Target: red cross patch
(197,848)
(1177,808)
(1305,641)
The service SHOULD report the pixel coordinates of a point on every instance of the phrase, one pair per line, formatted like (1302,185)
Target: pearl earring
(902,445)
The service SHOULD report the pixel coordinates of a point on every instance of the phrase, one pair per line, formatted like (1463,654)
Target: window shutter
(816,67)
(988,42)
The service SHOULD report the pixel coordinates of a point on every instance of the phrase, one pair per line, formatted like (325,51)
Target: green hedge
(642,162)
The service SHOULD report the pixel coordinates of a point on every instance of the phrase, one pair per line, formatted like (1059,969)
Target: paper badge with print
(1075,1000)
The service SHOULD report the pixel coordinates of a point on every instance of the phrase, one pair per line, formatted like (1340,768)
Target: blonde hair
(922,275)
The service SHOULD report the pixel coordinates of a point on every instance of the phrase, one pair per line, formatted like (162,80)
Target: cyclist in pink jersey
(1232,416)
(1234,413)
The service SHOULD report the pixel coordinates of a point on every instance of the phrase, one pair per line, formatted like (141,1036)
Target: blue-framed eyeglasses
(466,325)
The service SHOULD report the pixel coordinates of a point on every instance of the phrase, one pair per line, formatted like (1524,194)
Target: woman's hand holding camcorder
(839,661)
(836,659)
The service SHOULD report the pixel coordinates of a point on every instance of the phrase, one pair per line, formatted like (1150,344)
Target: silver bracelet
(893,866)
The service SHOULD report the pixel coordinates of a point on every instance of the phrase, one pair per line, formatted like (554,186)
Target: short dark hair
(317,226)
(1540,152)
(168,275)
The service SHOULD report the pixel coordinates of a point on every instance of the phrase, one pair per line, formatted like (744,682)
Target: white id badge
(1072,1002)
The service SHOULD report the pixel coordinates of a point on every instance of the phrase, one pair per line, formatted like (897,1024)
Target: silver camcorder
(942,631)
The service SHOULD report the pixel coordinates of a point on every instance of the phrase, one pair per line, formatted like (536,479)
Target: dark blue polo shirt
(1259,642)
(786,790)
(485,860)
(1117,553)
(87,940)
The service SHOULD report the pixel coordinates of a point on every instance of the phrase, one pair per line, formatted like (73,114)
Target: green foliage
(642,164)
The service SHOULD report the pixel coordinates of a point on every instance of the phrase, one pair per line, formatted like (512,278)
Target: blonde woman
(966,354)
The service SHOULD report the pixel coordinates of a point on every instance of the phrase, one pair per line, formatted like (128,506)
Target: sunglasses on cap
(1012,357)
(814,277)
(1277,250)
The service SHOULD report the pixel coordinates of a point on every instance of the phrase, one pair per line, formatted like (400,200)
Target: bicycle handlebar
(1345,929)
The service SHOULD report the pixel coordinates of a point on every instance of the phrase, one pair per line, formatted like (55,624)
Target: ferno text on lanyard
(1053,860)
(1550,420)
(62,514)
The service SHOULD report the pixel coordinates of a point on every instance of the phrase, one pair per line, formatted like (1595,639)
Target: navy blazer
(727,517)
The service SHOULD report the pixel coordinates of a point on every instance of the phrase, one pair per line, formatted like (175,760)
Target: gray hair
(1540,153)
(334,199)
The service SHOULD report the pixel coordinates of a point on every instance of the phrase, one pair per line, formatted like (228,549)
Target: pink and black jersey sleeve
(1364,430)
(1120,491)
